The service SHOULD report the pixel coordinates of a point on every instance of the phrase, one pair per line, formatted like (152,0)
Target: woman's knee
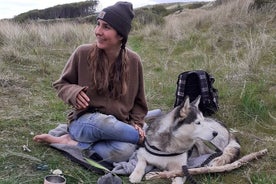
(114,151)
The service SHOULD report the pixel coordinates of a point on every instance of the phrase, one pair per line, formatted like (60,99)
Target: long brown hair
(112,82)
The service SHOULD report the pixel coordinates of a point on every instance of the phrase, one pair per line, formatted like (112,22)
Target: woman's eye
(107,27)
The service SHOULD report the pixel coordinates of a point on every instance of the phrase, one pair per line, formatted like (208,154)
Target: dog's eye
(198,123)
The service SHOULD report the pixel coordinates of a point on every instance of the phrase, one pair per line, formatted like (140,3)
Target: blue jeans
(113,140)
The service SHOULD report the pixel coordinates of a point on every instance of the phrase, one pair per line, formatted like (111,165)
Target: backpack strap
(188,175)
(181,82)
(208,93)
(213,90)
(202,75)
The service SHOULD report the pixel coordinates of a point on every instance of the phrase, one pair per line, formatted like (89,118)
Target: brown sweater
(130,108)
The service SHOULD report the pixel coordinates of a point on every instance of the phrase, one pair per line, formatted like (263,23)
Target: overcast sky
(11,8)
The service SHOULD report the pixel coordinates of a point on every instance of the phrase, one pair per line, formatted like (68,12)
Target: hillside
(86,12)
(234,40)
(64,11)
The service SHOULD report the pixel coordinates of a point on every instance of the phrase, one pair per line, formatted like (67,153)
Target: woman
(104,84)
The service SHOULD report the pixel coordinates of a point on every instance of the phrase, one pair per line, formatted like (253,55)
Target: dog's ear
(197,101)
(185,108)
(187,102)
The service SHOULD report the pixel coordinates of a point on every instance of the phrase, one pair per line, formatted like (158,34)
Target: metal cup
(54,179)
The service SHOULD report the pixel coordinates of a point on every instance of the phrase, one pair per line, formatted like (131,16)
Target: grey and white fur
(171,136)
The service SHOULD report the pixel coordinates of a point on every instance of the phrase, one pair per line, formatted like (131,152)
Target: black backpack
(195,83)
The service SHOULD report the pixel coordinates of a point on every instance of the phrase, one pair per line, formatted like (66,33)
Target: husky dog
(170,137)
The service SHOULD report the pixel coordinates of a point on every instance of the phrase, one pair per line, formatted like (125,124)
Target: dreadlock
(114,81)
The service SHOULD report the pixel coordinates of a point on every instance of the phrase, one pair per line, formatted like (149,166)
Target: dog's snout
(215,133)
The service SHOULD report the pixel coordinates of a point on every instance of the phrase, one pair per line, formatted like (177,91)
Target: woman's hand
(82,100)
(141,134)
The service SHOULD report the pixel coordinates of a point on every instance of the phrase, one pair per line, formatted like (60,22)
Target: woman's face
(106,37)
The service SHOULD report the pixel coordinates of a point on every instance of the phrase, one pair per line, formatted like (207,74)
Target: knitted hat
(118,16)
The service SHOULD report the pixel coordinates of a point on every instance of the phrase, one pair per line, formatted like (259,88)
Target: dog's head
(180,128)
(189,121)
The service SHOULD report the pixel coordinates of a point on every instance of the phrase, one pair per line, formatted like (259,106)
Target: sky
(11,8)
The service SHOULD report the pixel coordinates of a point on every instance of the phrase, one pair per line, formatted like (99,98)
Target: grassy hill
(69,11)
(233,41)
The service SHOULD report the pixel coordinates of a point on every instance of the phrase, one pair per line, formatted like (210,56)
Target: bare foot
(64,139)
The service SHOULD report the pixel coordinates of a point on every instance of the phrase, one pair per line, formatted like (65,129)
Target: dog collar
(155,151)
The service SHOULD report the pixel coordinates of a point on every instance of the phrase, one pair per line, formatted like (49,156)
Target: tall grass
(48,35)
(234,43)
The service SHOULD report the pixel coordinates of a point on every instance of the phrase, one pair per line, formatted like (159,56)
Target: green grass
(238,49)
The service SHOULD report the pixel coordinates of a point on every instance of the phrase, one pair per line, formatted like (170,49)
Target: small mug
(54,179)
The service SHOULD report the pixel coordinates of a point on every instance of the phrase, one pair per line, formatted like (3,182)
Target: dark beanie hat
(118,16)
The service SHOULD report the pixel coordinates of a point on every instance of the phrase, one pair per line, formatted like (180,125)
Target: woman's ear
(121,38)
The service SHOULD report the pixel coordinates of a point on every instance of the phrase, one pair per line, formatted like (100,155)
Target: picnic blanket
(122,168)
(78,155)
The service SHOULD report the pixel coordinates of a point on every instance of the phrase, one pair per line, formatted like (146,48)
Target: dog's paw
(135,178)
(151,175)
(178,180)
(219,161)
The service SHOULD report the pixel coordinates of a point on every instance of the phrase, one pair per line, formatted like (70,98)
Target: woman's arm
(140,107)
(67,85)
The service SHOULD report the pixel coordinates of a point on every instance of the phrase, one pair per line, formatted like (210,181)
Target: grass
(235,45)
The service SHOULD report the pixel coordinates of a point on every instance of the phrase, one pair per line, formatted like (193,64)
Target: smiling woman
(103,83)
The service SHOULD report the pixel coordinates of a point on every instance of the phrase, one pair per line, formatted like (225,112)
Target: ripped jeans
(113,140)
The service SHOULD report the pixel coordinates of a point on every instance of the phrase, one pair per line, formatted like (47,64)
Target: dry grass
(235,45)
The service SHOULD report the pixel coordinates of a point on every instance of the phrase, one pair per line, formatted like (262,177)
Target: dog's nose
(215,133)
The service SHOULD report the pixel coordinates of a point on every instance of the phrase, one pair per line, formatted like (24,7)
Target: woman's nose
(98,30)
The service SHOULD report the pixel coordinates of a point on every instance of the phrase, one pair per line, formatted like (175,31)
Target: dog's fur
(176,133)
